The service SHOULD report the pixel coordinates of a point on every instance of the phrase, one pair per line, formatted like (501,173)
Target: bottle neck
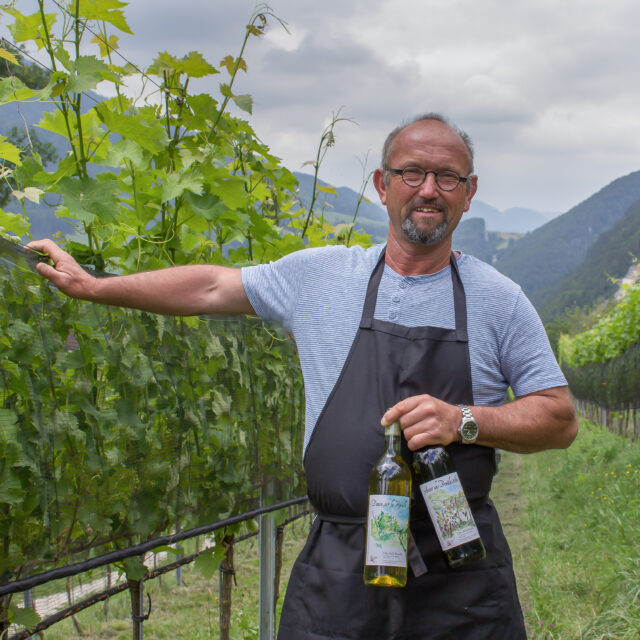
(393,438)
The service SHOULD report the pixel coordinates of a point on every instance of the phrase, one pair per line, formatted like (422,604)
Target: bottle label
(449,511)
(387,531)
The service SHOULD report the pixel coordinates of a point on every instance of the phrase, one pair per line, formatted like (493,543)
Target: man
(408,331)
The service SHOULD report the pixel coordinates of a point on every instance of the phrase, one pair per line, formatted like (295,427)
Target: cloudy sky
(548,90)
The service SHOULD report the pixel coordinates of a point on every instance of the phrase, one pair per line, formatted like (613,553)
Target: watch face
(469,431)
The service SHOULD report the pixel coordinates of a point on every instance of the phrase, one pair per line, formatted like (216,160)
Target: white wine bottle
(448,507)
(388,516)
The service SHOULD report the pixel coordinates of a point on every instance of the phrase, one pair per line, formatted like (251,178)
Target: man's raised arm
(180,291)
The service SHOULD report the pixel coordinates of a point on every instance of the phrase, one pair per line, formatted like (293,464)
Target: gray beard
(428,238)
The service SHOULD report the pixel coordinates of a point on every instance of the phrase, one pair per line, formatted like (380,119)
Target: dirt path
(512,507)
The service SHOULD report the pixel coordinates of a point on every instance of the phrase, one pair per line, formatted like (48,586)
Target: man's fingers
(49,247)
(45,270)
(401,409)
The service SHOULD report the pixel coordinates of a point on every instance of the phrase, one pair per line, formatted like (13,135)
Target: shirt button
(396,298)
(393,315)
(403,284)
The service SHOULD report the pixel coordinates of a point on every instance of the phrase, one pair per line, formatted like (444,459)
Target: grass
(582,517)
(511,505)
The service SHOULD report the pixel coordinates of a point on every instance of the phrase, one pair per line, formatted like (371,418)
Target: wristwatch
(468,428)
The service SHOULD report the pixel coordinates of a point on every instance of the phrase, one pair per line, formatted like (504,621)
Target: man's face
(426,214)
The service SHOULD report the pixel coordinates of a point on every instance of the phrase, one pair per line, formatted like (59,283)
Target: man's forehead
(429,135)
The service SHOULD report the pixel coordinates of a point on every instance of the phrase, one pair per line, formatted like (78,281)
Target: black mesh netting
(614,384)
(117,426)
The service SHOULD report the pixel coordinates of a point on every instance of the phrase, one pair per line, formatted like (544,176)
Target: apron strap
(459,301)
(372,293)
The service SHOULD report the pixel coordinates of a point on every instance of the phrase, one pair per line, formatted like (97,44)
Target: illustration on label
(387,531)
(449,511)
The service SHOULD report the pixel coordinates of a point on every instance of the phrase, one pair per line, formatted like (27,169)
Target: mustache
(434,203)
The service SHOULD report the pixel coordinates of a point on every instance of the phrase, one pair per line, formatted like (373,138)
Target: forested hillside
(544,256)
(596,278)
(471,236)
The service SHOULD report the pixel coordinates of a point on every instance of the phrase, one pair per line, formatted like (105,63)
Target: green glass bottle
(448,507)
(388,515)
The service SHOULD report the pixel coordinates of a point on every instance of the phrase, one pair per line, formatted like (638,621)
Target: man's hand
(425,420)
(542,420)
(66,274)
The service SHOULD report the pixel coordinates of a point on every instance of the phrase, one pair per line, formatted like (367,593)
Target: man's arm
(184,290)
(542,420)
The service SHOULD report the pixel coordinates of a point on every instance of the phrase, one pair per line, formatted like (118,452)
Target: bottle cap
(393,429)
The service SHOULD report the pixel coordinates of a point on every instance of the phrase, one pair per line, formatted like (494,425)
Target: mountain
(596,279)
(544,256)
(513,220)
(471,236)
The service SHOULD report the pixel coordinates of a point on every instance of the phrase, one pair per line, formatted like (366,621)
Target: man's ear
(379,184)
(471,192)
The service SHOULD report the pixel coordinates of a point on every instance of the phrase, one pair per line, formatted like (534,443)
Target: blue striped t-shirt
(318,295)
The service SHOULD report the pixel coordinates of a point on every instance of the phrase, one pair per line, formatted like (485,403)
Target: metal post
(267,567)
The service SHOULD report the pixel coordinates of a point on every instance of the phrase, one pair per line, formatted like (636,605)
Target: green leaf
(29,27)
(88,199)
(23,616)
(134,568)
(193,65)
(9,152)
(208,561)
(11,491)
(176,183)
(208,206)
(229,63)
(14,223)
(279,516)
(107,10)
(54,121)
(86,73)
(244,102)
(327,189)
(105,46)
(166,548)
(143,127)
(12,89)
(7,55)
(8,428)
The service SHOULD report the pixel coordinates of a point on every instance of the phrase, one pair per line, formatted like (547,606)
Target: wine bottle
(388,515)
(448,507)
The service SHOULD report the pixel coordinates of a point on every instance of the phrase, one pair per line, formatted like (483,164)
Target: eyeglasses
(415,176)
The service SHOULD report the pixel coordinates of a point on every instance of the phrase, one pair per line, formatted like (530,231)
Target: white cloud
(547,90)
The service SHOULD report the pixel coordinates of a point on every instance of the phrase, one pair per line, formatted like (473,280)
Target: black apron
(326,596)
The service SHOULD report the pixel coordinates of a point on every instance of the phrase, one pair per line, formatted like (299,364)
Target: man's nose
(430,186)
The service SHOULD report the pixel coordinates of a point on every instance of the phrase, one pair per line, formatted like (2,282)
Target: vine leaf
(193,65)
(106,10)
(7,55)
(244,102)
(142,127)
(209,561)
(23,616)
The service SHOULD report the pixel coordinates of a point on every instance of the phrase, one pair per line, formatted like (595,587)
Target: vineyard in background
(117,426)
(602,366)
